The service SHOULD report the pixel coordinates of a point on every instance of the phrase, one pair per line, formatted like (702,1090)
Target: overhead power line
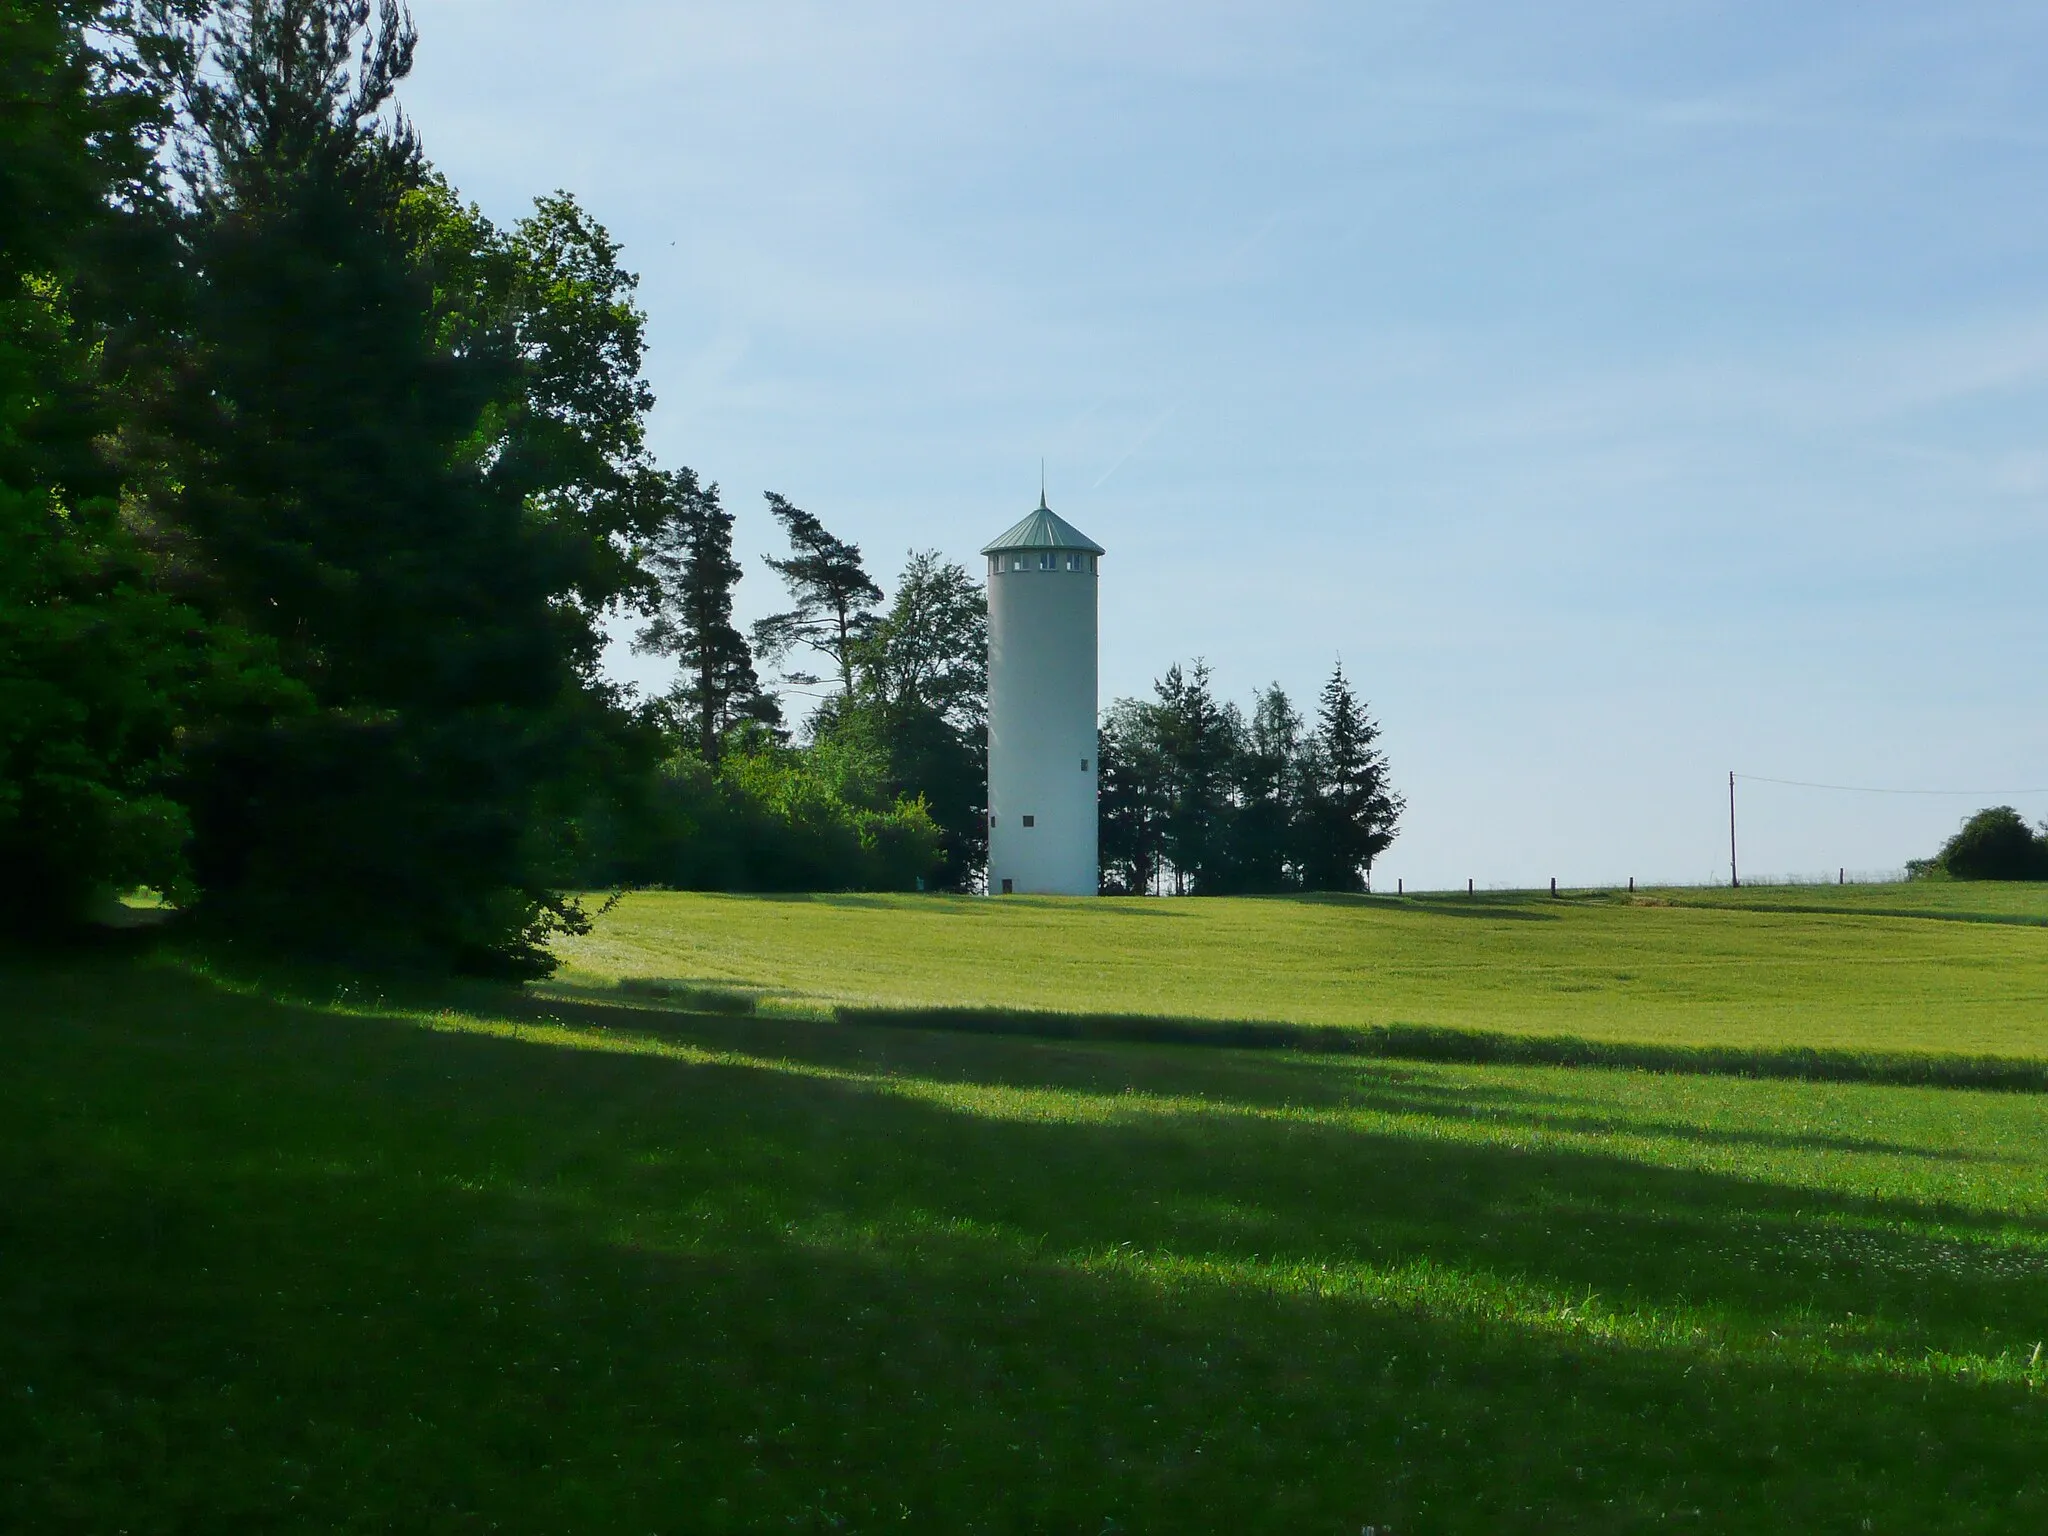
(1865,789)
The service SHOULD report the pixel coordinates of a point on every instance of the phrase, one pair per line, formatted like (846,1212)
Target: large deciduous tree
(920,703)
(1994,844)
(99,666)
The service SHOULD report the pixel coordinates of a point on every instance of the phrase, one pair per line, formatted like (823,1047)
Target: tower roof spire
(1043,529)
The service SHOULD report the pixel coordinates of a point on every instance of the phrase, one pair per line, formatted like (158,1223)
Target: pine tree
(691,561)
(1349,812)
(834,596)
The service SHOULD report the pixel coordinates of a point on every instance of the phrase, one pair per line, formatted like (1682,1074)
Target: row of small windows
(1047,560)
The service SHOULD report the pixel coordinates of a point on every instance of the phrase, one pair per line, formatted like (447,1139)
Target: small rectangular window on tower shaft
(1084,765)
(1006,887)
(1030,821)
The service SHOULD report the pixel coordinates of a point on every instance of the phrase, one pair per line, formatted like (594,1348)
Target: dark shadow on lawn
(1467,906)
(1256,1079)
(295,1268)
(1825,909)
(958,904)
(1409,1042)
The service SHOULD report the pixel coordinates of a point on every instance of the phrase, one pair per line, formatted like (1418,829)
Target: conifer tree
(691,562)
(833,594)
(1349,811)
(1265,837)
(380,470)
(1132,797)
(1198,745)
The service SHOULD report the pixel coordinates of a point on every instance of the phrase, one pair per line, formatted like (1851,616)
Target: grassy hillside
(340,1264)
(1943,968)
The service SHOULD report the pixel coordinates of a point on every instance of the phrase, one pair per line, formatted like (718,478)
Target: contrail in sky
(1157,422)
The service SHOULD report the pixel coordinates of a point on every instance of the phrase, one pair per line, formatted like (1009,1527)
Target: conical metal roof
(1043,529)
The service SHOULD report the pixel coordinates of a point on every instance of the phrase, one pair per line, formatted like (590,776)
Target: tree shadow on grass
(289,1267)
(956,904)
(1253,1078)
(608,1006)
(1506,906)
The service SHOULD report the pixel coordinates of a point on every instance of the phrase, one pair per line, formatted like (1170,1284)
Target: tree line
(883,787)
(1199,798)
(318,489)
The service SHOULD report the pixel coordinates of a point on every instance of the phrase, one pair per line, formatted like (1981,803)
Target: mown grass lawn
(307,1259)
(1856,969)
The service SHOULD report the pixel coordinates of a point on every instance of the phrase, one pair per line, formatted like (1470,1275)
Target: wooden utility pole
(1734,879)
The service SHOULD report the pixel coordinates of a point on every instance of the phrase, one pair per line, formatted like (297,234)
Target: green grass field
(1855,969)
(292,1255)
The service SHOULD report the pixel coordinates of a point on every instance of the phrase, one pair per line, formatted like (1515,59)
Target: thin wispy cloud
(1138,442)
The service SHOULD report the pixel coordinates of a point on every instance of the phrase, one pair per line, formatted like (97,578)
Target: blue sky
(1626,392)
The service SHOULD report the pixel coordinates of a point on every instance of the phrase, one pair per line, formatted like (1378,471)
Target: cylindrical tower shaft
(1042,768)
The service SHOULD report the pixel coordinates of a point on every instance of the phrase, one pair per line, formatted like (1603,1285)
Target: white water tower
(1041,709)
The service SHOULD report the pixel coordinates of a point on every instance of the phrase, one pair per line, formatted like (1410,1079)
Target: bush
(770,818)
(1994,844)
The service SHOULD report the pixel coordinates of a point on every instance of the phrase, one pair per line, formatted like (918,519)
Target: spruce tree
(1133,797)
(1198,745)
(1264,836)
(1349,811)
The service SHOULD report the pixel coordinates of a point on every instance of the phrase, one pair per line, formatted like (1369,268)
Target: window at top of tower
(1040,560)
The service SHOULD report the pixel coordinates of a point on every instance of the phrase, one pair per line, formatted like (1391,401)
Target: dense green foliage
(1198,800)
(1994,844)
(339,1264)
(768,817)
(919,707)
(316,488)
(97,666)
